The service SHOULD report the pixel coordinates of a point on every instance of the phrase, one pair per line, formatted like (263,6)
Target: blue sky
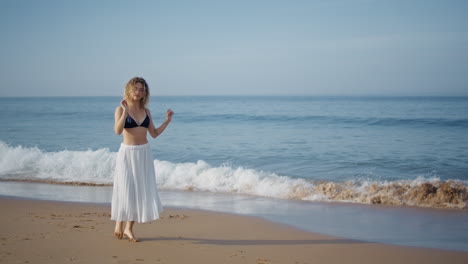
(327,47)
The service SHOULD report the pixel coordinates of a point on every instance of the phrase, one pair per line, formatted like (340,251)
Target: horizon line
(239,95)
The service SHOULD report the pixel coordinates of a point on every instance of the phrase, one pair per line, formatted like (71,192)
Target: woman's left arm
(154,132)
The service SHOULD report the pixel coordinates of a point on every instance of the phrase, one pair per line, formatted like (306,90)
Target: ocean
(406,151)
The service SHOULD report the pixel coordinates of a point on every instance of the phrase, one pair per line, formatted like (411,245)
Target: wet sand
(403,226)
(35,231)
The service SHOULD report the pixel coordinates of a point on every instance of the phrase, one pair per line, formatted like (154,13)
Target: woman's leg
(118,231)
(129,231)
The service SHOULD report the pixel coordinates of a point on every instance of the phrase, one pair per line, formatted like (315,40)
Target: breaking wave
(95,167)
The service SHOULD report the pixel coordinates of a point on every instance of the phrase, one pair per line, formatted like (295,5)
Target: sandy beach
(34,231)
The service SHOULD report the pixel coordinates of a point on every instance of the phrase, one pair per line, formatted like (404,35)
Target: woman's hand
(169,114)
(124,104)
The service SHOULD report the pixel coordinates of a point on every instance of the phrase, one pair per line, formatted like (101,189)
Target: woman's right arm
(119,116)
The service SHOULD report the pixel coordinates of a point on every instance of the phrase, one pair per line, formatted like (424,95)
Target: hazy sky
(326,47)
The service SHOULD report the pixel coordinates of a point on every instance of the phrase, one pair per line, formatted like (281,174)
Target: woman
(135,196)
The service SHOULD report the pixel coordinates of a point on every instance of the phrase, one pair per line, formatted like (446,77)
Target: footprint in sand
(239,253)
(78,227)
(177,216)
(263,261)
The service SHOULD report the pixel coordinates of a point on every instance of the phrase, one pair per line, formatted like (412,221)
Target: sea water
(410,151)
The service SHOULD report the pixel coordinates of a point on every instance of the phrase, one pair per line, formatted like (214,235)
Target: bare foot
(129,234)
(118,232)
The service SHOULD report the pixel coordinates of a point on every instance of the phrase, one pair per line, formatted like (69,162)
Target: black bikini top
(131,123)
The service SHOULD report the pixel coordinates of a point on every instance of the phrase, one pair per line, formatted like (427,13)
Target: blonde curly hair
(131,86)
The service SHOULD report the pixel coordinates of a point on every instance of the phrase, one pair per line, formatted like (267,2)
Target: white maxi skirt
(135,196)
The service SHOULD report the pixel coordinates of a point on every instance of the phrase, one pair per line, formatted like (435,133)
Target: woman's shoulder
(147,110)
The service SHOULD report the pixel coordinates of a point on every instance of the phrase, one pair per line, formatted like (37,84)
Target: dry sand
(59,232)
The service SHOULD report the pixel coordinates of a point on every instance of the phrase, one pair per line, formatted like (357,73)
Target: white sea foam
(63,166)
(96,167)
(201,176)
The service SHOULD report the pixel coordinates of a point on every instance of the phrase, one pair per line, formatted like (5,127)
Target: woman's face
(138,91)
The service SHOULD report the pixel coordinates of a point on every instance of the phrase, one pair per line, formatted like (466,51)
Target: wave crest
(91,166)
(420,192)
(97,168)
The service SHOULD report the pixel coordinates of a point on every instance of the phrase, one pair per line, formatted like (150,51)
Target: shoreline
(426,190)
(414,227)
(58,232)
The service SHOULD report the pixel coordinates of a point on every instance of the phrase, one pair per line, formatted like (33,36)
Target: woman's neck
(134,104)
